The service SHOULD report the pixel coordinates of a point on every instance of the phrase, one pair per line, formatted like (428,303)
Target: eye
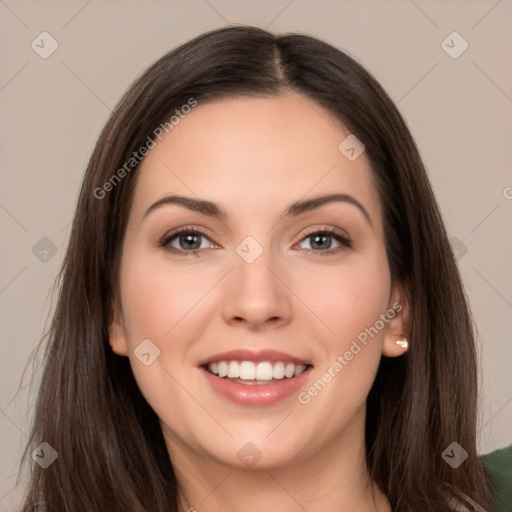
(320,242)
(186,241)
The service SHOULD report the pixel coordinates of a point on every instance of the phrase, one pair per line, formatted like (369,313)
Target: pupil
(190,239)
(323,237)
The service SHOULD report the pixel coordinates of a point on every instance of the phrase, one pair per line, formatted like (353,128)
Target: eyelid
(325,229)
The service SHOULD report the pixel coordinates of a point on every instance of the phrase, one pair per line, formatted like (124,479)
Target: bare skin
(254,157)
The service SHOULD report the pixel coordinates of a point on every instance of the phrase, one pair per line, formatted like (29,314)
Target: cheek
(347,298)
(159,302)
(155,299)
(158,295)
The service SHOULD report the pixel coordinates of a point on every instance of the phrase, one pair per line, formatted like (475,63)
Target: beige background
(459,111)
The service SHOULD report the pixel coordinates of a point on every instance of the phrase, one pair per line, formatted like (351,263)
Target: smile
(251,377)
(255,373)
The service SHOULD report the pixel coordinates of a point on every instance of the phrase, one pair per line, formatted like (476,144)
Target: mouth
(255,379)
(259,373)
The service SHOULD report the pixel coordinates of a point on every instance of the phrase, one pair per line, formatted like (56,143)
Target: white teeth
(223,368)
(233,369)
(264,371)
(299,369)
(278,371)
(247,370)
(288,371)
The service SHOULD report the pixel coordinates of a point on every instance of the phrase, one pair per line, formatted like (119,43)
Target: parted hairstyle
(111,452)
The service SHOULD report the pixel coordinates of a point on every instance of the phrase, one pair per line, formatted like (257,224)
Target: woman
(314,348)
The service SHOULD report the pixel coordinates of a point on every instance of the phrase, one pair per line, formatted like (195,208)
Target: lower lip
(257,394)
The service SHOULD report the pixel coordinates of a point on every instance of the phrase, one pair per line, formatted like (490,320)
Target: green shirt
(498,465)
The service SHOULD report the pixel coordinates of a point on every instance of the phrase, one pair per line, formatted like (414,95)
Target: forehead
(254,156)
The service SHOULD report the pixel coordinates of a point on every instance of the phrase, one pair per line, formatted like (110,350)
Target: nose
(257,295)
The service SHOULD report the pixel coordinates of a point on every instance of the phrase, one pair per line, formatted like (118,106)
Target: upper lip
(255,356)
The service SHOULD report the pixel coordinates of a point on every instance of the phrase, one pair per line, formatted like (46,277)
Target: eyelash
(344,240)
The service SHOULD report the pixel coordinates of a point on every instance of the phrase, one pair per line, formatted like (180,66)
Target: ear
(398,327)
(116,331)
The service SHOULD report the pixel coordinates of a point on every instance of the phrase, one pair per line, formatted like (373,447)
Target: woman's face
(284,285)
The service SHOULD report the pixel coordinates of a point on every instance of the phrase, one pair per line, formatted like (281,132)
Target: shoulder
(498,466)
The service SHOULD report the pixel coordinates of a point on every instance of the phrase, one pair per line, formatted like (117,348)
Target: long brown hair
(111,451)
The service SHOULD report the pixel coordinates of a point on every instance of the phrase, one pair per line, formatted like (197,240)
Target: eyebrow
(213,210)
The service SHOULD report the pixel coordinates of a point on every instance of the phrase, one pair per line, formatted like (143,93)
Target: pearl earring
(402,342)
